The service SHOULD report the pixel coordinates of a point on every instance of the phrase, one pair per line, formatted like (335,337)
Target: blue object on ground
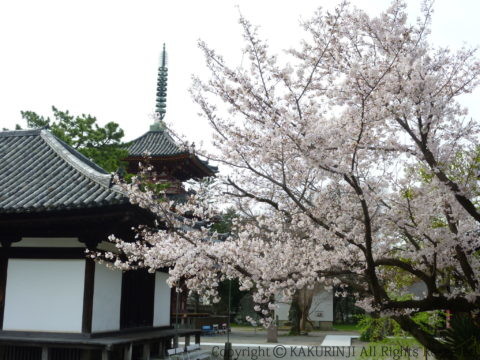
(207,330)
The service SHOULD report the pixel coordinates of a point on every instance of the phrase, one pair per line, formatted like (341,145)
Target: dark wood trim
(182,166)
(114,343)
(3,286)
(44,334)
(75,223)
(55,335)
(6,241)
(203,169)
(28,336)
(127,331)
(158,158)
(88,296)
(75,215)
(91,242)
(42,253)
(52,342)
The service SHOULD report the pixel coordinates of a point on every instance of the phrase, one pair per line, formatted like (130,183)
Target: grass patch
(245,327)
(346,327)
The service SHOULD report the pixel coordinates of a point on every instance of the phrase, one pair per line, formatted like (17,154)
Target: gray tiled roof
(39,172)
(155,143)
(158,143)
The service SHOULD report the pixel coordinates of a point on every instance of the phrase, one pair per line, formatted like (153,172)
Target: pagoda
(172,164)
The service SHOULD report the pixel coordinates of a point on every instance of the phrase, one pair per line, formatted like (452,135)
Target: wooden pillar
(6,242)
(88,296)
(161,348)
(44,353)
(168,343)
(187,340)
(105,354)
(86,354)
(197,338)
(128,352)
(146,351)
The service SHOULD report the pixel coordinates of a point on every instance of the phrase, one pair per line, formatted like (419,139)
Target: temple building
(172,164)
(55,303)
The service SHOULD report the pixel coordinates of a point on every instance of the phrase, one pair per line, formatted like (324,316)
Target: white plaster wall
(44,295)
(48,242)
(161,310)
(320,310)
(283,307)
(107,293)
(322,306)
(282,311)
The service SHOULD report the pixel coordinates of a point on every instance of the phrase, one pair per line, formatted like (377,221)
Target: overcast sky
(101,57)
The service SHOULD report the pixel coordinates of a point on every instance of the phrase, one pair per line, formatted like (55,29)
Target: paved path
(252,345)
(259,337)
(318,345)
(338,340)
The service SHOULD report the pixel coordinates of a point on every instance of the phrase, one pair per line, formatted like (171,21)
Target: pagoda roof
(155,143)
(39,172)
(159,146)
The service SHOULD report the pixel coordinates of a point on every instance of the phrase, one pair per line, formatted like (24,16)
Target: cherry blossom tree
(355,162)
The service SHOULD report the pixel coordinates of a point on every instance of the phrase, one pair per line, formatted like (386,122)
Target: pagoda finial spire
(161,102)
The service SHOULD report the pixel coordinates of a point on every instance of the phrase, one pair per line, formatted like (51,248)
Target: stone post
(272,333)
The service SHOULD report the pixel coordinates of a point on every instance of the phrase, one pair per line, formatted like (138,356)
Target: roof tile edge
(96,176)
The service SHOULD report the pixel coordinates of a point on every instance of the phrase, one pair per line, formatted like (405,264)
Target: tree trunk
(305,302)
(440,351)
(294,315)
(299,311)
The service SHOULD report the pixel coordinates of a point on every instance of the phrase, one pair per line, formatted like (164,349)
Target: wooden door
(138,289)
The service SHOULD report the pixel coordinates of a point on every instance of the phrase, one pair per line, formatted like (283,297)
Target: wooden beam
(92,242)
(3,285)
(71,223)
(6,241)
(42,253)
(88,296)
